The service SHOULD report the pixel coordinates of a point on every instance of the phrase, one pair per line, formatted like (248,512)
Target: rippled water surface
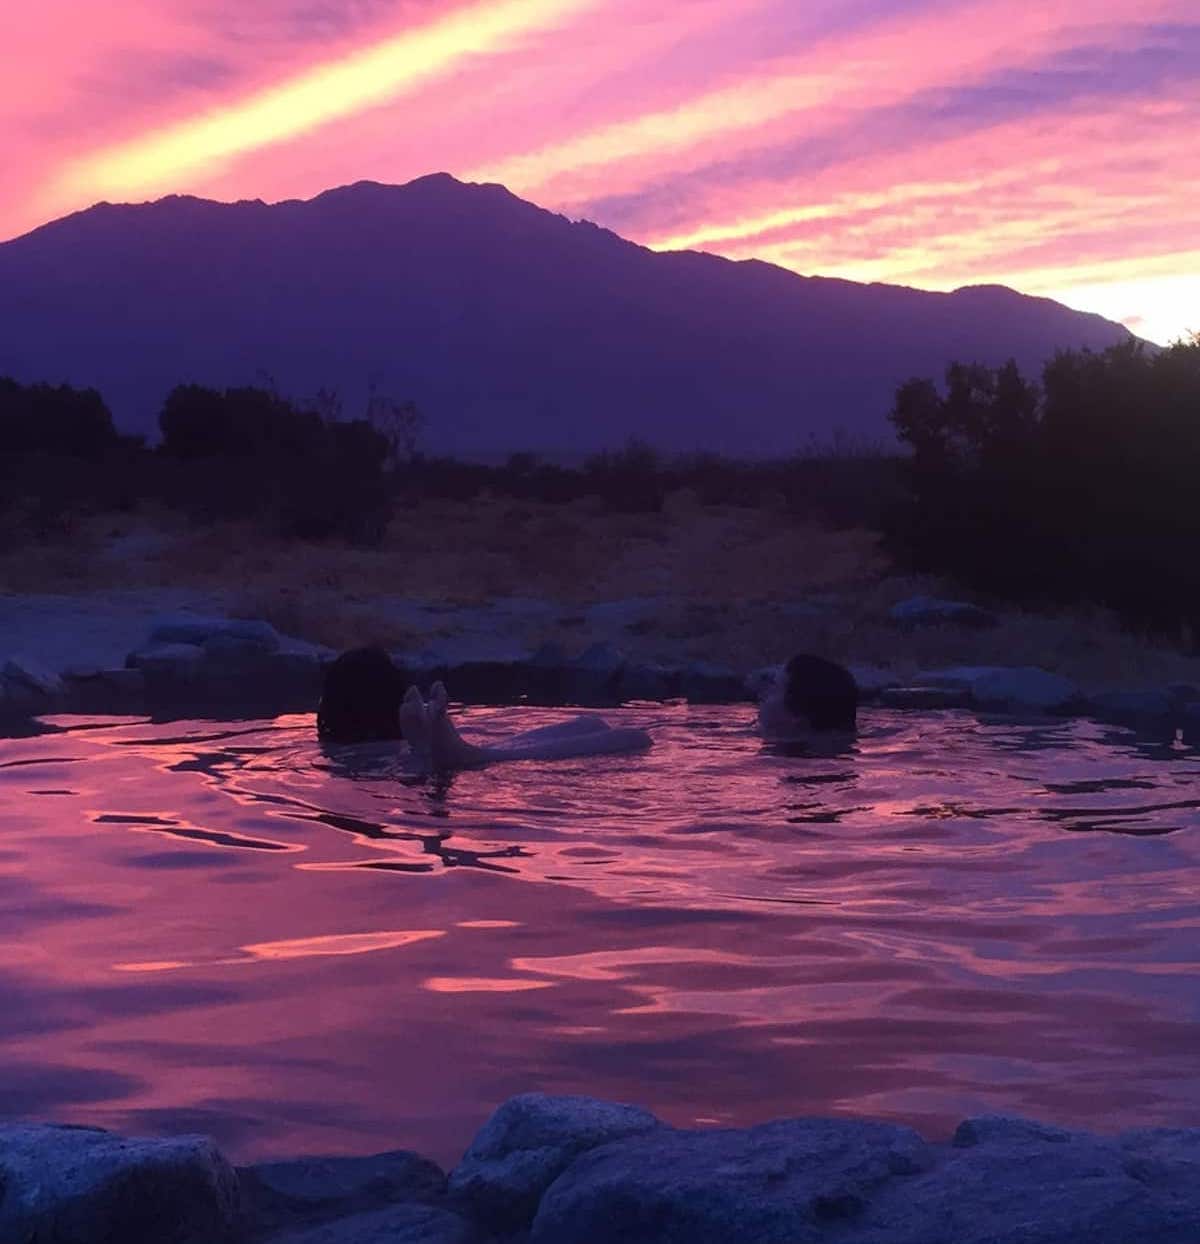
(225,928)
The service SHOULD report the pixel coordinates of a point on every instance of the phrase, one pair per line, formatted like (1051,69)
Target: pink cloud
(928,143)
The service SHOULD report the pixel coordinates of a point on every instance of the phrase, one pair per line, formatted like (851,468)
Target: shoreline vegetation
(575,1170)
(338,532)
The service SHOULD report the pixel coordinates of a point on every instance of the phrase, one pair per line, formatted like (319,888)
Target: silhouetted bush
(60,456)
(56,420)
(1082,488)
(249,451)
(303,468)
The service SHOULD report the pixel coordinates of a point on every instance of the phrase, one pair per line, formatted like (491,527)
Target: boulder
(104,691)
(398,1224)
(1132,705)
(1164,1157)
(873,680)
(81,1185)
(166,658)
(594,675)
(703,682)
(310,1191)
(237,650)
(24,674)
(1007,687)
(925,697)
(194,628)
(932,611)
(1025,687)
(550,655)
(1010,1181)
(488,682)
(647,682)
(529,1141)
(789,1182)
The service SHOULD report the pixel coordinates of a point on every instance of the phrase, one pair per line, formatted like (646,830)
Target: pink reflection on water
(919,928)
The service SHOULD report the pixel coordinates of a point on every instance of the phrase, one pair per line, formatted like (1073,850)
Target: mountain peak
(510,326)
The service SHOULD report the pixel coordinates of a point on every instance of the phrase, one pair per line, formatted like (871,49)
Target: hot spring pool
(222,927)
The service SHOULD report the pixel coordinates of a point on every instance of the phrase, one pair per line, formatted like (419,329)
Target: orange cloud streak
(365,79)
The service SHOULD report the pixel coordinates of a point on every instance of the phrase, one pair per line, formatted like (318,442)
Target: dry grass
(742,586)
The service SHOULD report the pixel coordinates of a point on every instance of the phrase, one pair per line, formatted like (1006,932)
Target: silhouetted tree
(55,420)
(1082,489)
(252,451)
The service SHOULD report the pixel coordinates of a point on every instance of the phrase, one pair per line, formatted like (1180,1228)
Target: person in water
(813,696)
(362,702)
(360,698)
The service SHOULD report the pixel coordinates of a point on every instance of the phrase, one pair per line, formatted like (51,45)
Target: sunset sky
(935,143)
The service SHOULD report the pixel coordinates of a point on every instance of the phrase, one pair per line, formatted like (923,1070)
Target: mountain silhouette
(510,326)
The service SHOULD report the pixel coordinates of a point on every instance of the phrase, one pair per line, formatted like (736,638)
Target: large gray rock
(24,674)
(782,1183)
(1008,687)
(593,677)
(237,650)
(399,1224)
(1026,687)
(176,658)
(528,1143)
(194,628)
(704,682)
(1164,1157)
(873,680)
(1009,1181)
(923,698)
(1143,705)
(932,611)
(74,1185)
(309,1191)
(647,682)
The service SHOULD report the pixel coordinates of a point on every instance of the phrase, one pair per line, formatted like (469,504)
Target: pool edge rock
(577,1170)
(76,1185)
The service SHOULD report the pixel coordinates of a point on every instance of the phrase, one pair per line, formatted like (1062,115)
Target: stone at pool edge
(189,628)
(527,1144)
(161,657)
(26,677)
(932,611)
(1008,687)
(1002,1181)
(1141,705)
(287,1196)
(927,698)
(77,1185)
(787,1182)
(411,1223)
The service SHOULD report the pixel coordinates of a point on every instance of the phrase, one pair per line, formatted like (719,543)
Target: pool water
(224,927)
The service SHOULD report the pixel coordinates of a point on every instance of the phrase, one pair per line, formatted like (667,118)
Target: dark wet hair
(822,692)
(360,701)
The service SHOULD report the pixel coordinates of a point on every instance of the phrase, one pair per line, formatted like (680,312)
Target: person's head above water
(822,692)
(813,695)
(360,700)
